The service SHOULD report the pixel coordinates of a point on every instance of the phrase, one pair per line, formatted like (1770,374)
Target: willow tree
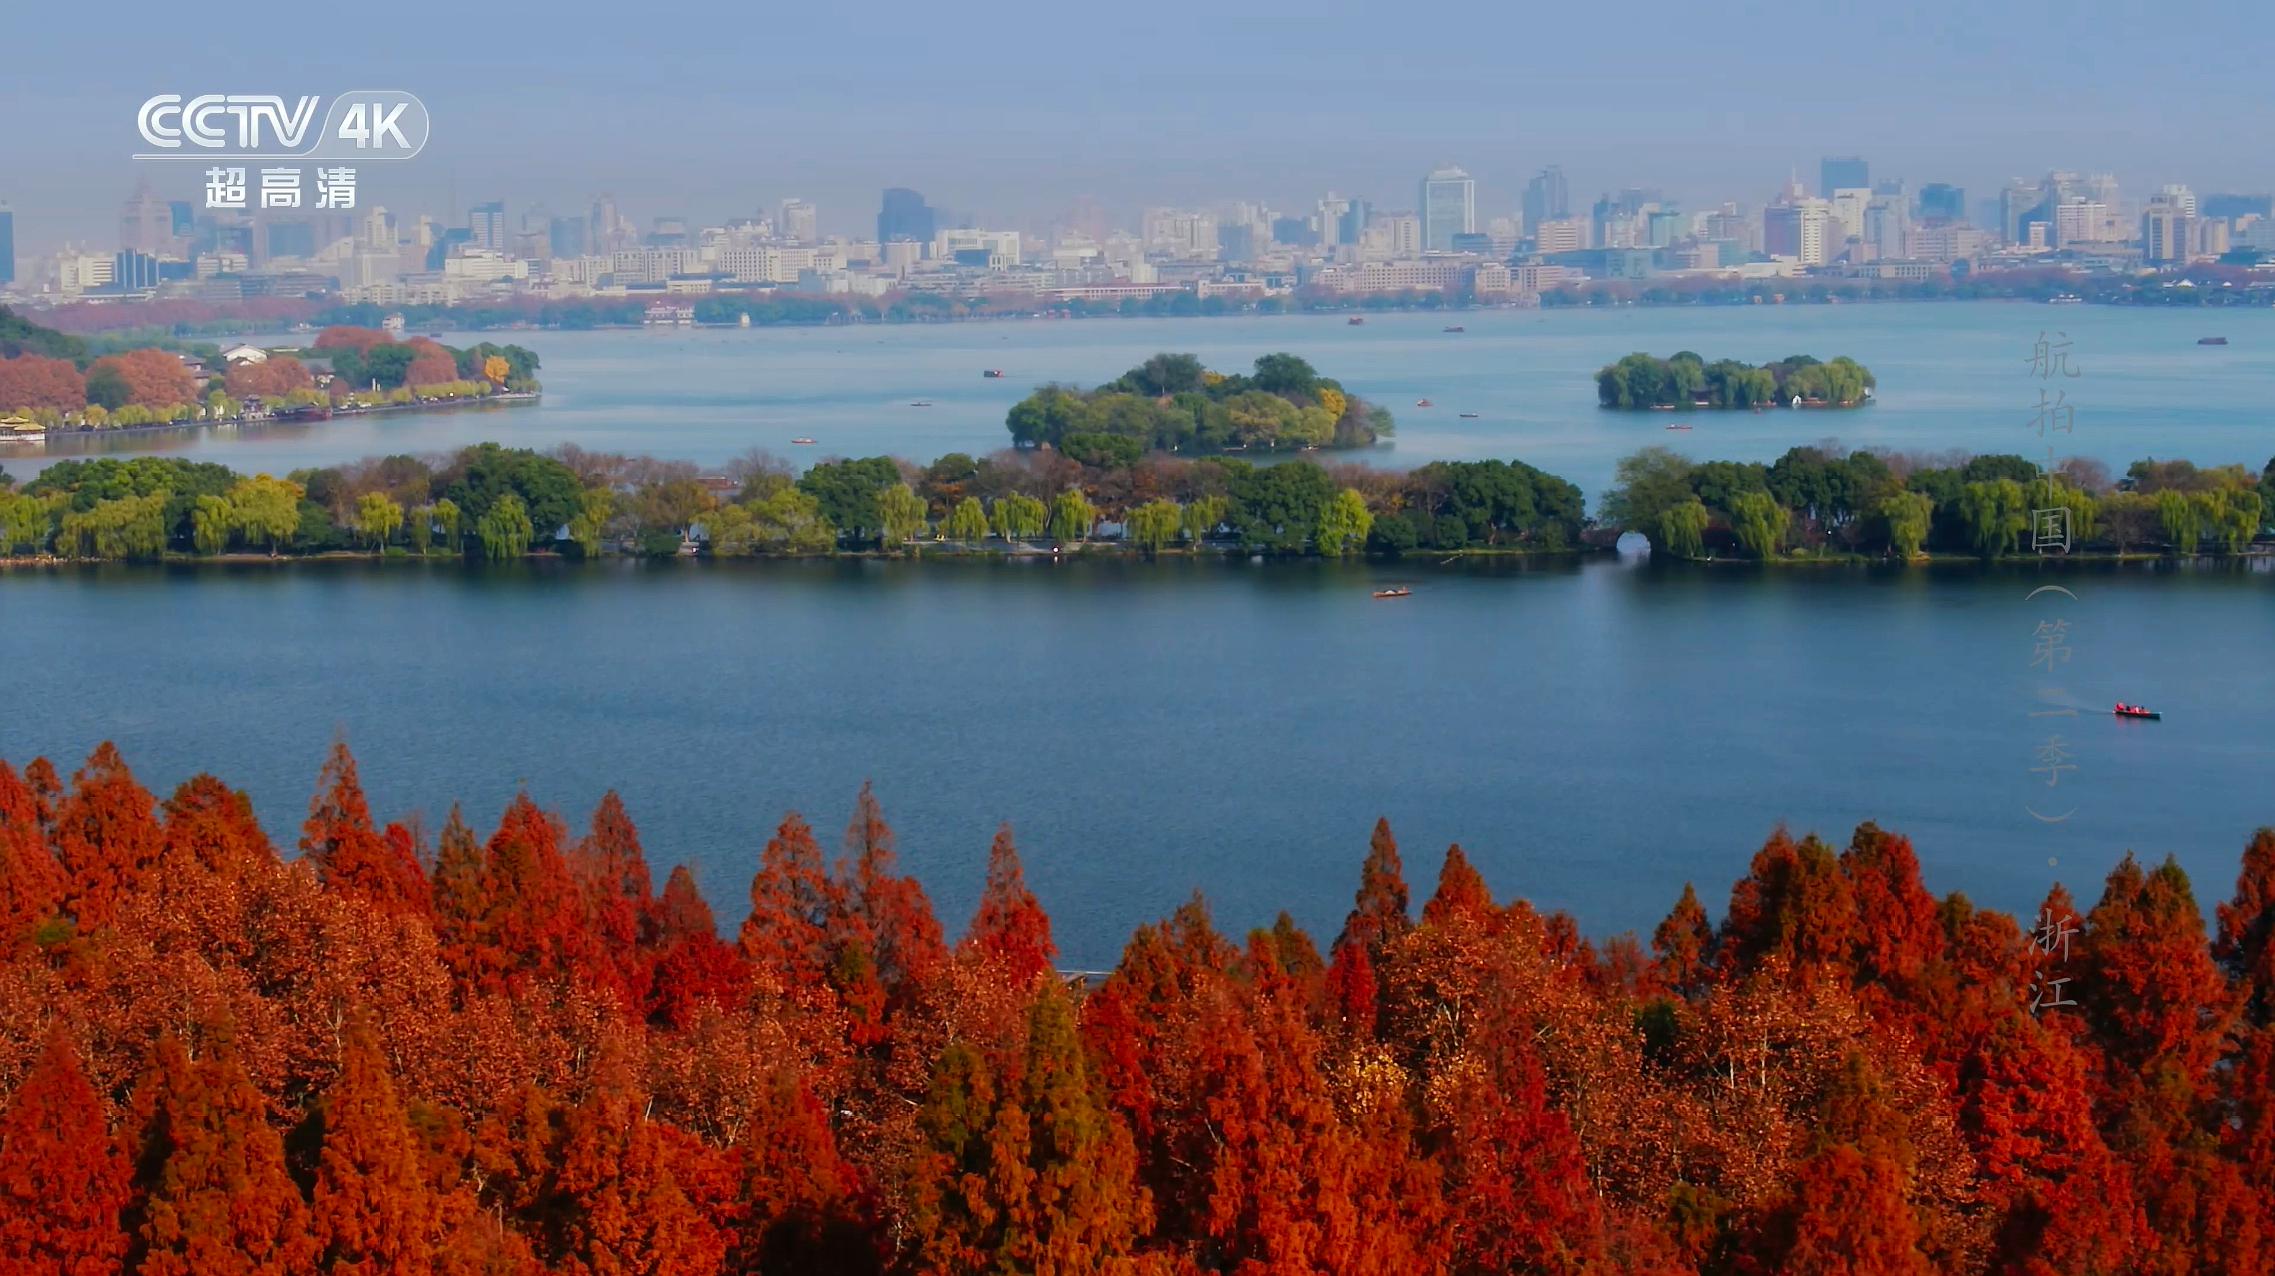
(1072,516)
(1344,522)
(378,517)
(1909,516)
(967,522)
(1760,522)
(506,529)
(1154,524)
(268,510)
(1018,517)
(1682,529)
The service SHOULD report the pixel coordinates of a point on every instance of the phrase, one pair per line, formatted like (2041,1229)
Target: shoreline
(512,398)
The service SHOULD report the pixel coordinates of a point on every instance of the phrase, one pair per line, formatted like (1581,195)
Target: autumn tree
(32,884)
(1378,916)
(152,378)
(371,1211)
(270,378)
(63,1184)
(210,1170)
(349,854)
(106,837)
(30,383)
(1009,931)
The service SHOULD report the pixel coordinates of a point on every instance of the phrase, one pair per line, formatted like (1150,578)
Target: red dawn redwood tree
(210,1171)
(31,882)
(63,1184)
(2245,941)
(106,836)
(1378,916)
(350,855)
(1009,931)
(372,1211)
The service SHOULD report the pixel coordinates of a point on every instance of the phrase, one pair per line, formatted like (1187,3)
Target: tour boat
(1423,403)
(1469,416)
(2211,341)
(1355,321)
(993,374)
(920,403)
(1678,427)
(1455,328)
(2124,710)
(1395,591)
(2065,299)
(803,442)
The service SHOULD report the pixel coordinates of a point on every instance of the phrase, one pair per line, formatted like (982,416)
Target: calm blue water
(1593,735)
(1951,376)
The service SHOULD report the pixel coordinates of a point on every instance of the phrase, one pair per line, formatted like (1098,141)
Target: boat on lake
(1469,416)
(1454,328)
(1424,403)
(2124,710)
(2211,341)
(920,403)
(2065,299)
(1395,591)
(1355,322)
(1678,427)
(993,374)
(803,442)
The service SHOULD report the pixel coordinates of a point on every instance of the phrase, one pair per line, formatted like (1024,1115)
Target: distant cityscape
(1848,224)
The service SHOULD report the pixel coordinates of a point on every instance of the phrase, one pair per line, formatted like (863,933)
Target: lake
(1594,734)
(1952,375)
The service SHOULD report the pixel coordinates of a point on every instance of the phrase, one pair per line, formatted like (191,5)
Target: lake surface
(1594,735)
(1951,375)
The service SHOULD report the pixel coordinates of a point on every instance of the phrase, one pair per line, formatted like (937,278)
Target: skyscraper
(486,226)
(1449,208)
(1547,197)
(7,246)
(905,215)
(147,224)
(567,236)
(798,221)
(1941,202)
(1843,172)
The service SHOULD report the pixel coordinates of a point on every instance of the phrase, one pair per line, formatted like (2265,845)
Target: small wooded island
(1684,380)
(1170,403)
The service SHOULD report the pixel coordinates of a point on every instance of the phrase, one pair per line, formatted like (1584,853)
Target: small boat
(2211,341)
(803,442)
(1455,328)
(1395,591)
(1424,403)
(2124,710)
(993,374)
(1469,416)
(920,403)
(2065,299)
(1355,322)
(1678,427)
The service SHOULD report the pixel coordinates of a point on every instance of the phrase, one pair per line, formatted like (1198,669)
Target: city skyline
(1272,103)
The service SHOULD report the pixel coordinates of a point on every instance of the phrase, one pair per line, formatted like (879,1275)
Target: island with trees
(60,383)
(1171,403)
(1815,503)
(1684,380)
(394,1045)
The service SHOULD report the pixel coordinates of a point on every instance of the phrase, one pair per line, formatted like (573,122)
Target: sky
(1006,113)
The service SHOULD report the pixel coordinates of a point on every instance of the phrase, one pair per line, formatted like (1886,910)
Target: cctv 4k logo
(368,124)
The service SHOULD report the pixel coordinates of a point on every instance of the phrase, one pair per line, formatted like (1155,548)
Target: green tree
(1645,484)
(1909,516)
(505,530)
(1202,516)
(420,521)
(1018,516)
(594,509)
(2232,514)
(2182,518)
(848,491)
(378,518)
(267,509)
(129,527)
(1994,514)
(24,522)
(1344,522)
(446,520)
(1153,525)
(1072,516)
(900,514)
(1682,528)
(211,524)
(967,522)
(1760,523)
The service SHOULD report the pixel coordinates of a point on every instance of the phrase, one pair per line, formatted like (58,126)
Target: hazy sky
(1008,111)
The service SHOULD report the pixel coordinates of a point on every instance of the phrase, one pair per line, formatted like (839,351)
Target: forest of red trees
(379,1053)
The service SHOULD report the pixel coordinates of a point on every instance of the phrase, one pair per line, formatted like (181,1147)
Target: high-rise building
(2165,229)
(905,215)
(1547,197)
(1334,218)
(7,246)
(147,224)
(1843,172)
(1942,202)
(291,239)
(799,221)
(182,217)
(2236,207)
(567,236)
(2179,197)
(1449,208)
(1800,230)
(486,226)
(134,272)
(1560,235)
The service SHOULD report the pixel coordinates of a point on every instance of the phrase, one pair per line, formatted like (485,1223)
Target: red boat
(2124,710)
